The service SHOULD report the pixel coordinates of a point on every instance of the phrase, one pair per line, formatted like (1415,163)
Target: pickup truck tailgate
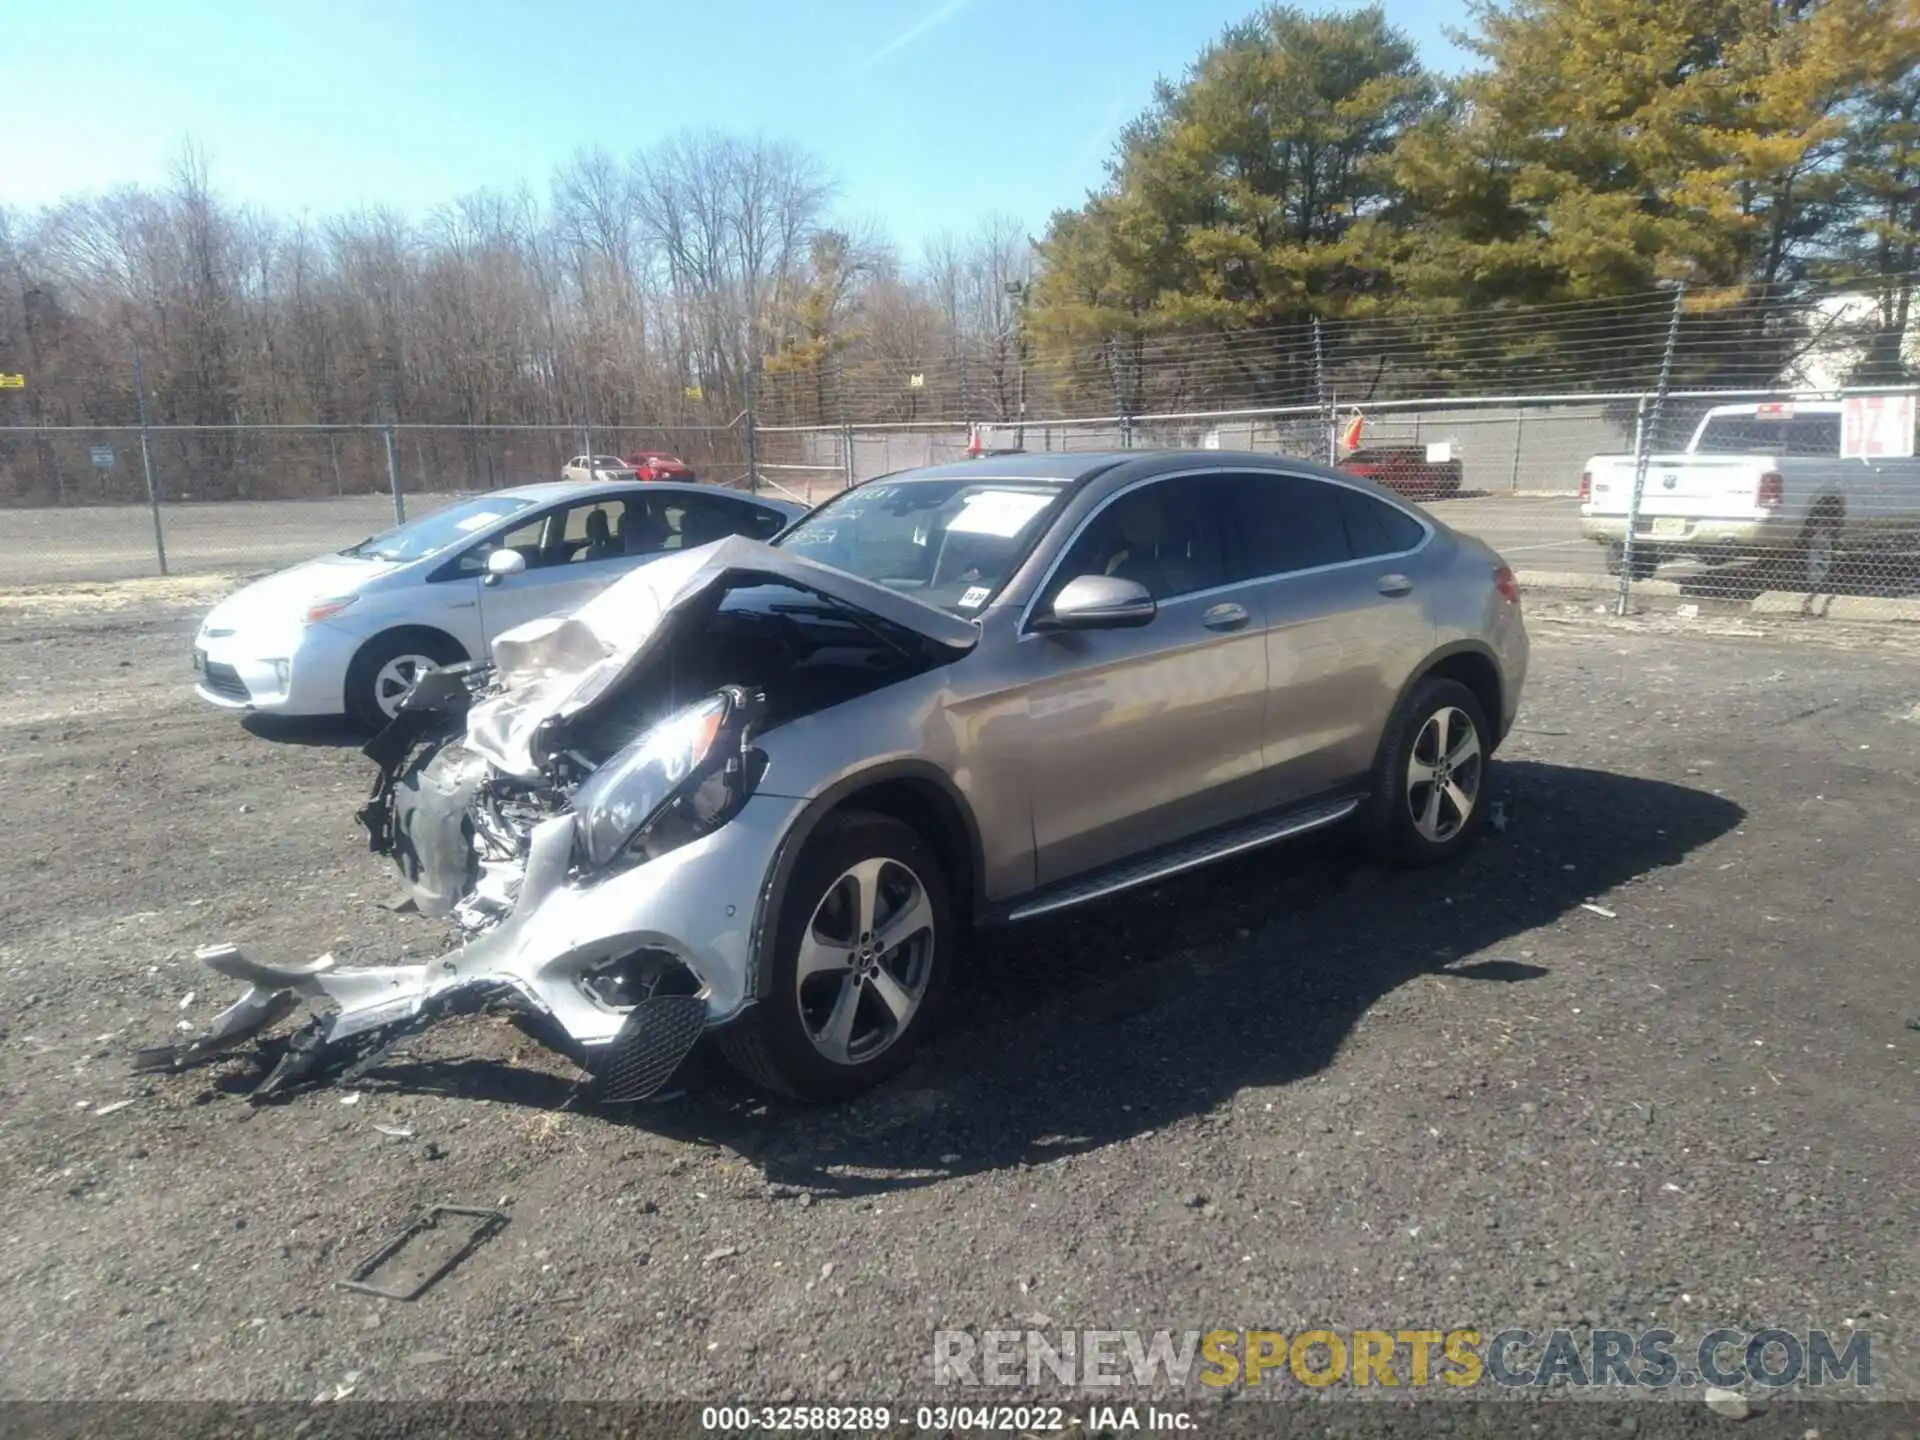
(1700,486)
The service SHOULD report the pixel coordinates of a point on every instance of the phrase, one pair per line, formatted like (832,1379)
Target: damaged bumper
(624,972)
(603,855)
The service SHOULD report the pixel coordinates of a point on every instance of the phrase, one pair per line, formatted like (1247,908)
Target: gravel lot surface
(1292,1090)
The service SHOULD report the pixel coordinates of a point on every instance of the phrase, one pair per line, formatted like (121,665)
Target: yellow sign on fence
(13,382)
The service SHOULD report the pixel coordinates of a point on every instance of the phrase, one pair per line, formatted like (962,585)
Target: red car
(1405,470)
(659,465)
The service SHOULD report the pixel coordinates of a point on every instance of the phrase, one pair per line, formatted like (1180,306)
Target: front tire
(863,959)
(386,668)
(1430,790)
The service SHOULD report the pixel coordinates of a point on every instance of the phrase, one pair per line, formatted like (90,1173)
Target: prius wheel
(386,668)
(863,954)
(1430,787)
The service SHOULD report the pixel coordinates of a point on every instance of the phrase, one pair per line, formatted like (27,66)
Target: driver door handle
(1394,585)
(1226,617)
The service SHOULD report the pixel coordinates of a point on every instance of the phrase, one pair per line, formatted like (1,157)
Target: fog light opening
(623,981)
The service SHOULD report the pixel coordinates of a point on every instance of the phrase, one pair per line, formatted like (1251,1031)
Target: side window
(765,523)
(1376,528)
(1164,536)
(1285,523)
(525,538)
(594,532)
(702,519)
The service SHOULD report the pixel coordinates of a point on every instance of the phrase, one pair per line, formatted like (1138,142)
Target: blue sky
(930,113)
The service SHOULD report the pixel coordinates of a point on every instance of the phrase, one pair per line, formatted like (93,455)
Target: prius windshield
(951,543)
(430,534)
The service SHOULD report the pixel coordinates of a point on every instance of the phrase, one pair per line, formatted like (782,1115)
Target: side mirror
(502,563)
(1099,602)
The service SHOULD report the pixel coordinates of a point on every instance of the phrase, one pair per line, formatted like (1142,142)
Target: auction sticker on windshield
(998,512)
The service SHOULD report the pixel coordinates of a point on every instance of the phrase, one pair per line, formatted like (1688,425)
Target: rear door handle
(1394,585)
(1226,617)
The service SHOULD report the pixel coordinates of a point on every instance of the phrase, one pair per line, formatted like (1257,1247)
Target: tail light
(1773,491)
(1586,486)
(1504,582)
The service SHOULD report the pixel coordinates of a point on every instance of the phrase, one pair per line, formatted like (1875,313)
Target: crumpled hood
(286,595)
(558,665)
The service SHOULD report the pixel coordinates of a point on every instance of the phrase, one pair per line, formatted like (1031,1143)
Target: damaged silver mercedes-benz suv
(767,790)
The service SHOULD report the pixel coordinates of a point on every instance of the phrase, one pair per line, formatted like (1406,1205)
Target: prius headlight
(679,780)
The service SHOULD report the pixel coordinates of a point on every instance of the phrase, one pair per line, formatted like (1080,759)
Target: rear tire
(387,665)
(1646,560)
(849,1001)
(1430,788)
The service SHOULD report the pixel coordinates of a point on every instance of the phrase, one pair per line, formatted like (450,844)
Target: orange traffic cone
(1350,439)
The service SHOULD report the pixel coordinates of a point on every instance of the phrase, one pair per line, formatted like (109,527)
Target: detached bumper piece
(658,1034)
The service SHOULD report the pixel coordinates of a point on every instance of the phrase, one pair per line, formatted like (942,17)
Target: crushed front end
(586,814)
(569,908)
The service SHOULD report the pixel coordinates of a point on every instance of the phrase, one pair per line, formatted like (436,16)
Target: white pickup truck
(1758,482)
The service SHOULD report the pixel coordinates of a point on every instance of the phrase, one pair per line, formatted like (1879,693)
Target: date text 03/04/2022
(943,1419)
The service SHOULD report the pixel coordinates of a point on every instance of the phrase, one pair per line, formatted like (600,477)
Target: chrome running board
(1216,845)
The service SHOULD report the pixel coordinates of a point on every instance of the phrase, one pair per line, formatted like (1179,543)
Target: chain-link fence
(1781,495)
(1690,480)
(115,502)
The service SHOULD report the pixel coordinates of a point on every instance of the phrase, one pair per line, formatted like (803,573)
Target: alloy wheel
(1443,774)
(865,961)
(396,677)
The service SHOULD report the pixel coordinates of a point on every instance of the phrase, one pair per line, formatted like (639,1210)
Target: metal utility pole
(753,449)
(1322,397)
(1017,291)
(146,462)
(1646,434)
(393,479)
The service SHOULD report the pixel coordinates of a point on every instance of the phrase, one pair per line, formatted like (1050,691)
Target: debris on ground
(114,1108)
(1730,1403)
(725,1252)
(1601,911)
(422,1275)
(396,1132)
(1497,817)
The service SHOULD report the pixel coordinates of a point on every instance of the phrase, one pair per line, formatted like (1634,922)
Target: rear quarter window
(1377,528)
(1285,523)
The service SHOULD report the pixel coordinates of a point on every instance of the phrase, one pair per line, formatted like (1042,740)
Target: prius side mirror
(502,563)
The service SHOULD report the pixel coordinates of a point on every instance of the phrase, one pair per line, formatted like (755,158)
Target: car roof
(1080,467)
(1060,466)
(553,491)
(1773,409)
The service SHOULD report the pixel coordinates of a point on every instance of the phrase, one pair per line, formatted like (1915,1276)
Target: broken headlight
(682,778)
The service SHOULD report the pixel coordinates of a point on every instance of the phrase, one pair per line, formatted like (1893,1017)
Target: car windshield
(430,534)
(951,543)
(609,462)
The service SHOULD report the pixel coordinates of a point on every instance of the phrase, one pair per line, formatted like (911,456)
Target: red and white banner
(1876,427)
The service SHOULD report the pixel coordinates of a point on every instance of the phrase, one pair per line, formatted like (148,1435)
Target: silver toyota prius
(765,789)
